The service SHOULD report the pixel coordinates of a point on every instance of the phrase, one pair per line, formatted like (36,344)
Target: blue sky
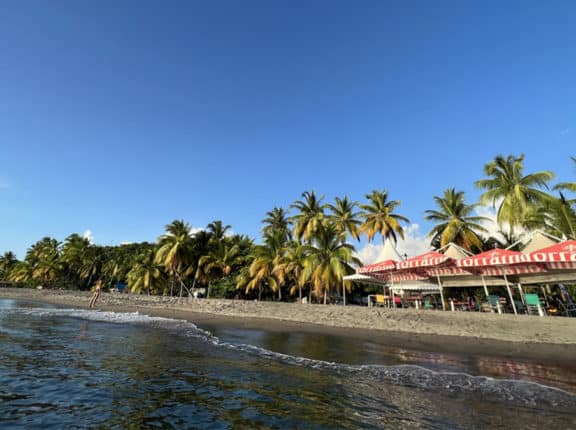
(118,117)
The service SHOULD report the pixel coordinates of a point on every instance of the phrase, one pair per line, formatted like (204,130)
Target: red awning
(381,266)
(499,262)
(429,259)
(406,276)
(446,271)
(559,256)
(494,257)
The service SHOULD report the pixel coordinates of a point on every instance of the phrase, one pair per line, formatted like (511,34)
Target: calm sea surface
(69,368)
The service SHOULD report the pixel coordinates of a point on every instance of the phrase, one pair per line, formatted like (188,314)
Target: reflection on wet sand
(359,351)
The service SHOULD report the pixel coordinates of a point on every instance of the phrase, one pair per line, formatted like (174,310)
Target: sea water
(76,369)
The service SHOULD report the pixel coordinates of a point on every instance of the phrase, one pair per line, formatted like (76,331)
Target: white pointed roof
(389,252)
(539,240)
(454,251)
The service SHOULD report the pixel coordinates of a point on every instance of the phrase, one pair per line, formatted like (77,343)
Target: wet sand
(530,337)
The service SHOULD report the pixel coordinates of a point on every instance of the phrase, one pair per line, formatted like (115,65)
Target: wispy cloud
(566,131)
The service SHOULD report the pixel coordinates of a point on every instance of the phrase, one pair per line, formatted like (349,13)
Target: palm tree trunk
(259,292)
(279,293)
(325,295)
(300,293)
(208,290)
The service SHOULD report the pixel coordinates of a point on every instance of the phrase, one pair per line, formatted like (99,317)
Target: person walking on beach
(97,292)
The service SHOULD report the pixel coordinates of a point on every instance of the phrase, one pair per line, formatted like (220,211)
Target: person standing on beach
(97,292)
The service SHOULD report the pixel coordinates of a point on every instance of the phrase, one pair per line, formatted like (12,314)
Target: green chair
(520,308)
(428,303)
(495,303)
(533,304)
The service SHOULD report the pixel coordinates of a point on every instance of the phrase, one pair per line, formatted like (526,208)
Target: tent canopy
(559,256)
(416,286)
(429,259)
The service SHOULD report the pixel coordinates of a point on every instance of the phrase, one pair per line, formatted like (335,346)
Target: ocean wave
(524,393)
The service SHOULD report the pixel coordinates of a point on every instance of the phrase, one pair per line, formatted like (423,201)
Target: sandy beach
(458,332)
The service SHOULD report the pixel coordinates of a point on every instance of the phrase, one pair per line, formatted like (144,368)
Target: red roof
(381,266)
(429,259)
(563,252)
(494,257)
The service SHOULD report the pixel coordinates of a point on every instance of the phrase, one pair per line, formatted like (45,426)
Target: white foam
(520,392)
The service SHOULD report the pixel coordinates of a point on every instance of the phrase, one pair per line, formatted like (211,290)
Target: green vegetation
(303,254)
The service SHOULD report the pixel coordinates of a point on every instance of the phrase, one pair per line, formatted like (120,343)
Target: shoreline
(519,337)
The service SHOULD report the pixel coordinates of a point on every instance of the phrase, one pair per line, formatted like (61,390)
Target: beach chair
(380,300)
(533,305)
(428,303)
(494,302)
(520,308)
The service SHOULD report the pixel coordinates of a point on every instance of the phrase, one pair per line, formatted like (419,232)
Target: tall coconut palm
(44,260)
(277,220)
(262,274)
(291,267)
(21,272)
(218,230)
(518,195)
(569,186)
(560,217)
(146,274)
(46,245)
(7,262)
(175,250)
(310,216)
(48,268)
(344,218)
(455,223)
(73,254)
(219,262)
(379,217)
(328,261)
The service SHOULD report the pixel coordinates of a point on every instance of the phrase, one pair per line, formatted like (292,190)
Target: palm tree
(344,217)
(291,267)
(379,217)
(518,194)
(454,223)
(146,274)
(21,272)
(175,250)
(218,230)
(73,254)
(310,218)
(7,262)
(277,220)
(48,266)
(560,217)
(219,262)
(44,261)
(328,261)
(570,186)
(262,271)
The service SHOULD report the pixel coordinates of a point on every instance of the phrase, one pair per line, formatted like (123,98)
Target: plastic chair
(533,304)
(494,302)
(520,308)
